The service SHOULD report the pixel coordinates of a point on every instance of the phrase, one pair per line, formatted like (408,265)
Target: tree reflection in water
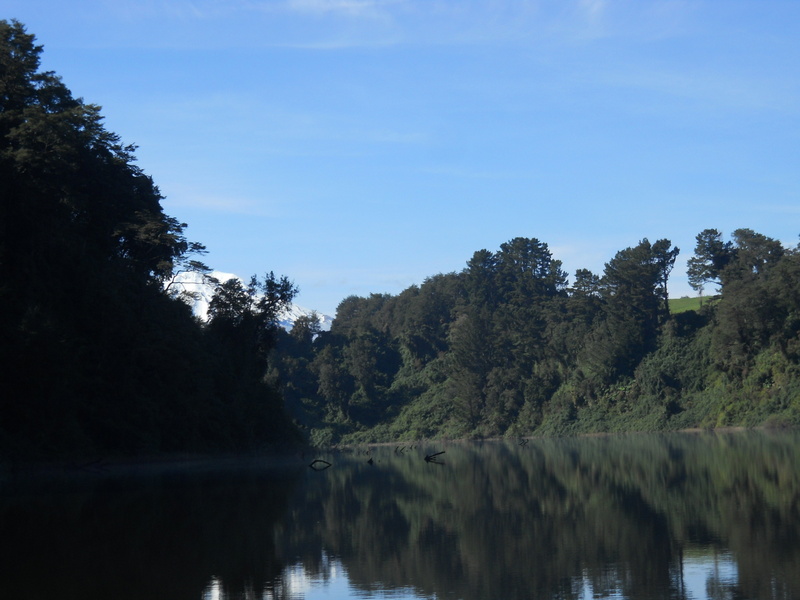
(149,535)
(634,516)
(641,516)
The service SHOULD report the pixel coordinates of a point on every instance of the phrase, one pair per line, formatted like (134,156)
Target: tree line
(101,357)
(509,347)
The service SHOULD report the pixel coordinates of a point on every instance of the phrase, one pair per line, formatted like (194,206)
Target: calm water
(702,516)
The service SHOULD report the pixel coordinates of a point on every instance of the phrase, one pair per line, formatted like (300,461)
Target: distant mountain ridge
(199,292)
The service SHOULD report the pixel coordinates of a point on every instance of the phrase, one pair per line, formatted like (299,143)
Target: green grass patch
(679,305)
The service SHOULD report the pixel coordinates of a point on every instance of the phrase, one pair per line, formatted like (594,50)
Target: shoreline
(274,461)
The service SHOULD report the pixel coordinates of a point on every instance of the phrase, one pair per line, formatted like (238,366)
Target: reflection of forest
(102,536)
(620,515)
(500,520)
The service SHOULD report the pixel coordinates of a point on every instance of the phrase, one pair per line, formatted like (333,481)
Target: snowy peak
(197,291)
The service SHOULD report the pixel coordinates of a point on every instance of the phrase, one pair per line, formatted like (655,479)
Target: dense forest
(509,347)
(102,357)
(99,355)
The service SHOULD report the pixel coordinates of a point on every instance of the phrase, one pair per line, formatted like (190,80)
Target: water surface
(701,516)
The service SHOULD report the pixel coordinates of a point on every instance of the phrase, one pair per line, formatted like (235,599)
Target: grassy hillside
(679,305)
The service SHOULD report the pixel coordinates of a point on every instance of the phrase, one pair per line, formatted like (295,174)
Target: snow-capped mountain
(199,292)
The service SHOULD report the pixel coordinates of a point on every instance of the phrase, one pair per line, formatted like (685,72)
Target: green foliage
(711,256)
(507,348)
(101,357)
(98,358)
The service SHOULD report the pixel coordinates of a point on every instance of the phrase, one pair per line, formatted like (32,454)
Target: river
(641,516)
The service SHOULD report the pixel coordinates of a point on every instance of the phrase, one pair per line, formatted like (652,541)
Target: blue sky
(359,146)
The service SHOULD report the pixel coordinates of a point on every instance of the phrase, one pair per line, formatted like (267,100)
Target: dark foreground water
(702,516)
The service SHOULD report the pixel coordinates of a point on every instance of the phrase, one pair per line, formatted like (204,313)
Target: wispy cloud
(251,126)
(457,172)
(593,8)
(204,10)
(180,196)
(714,89)
(350,8)
(179,9)
(589,21)
(342,24)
